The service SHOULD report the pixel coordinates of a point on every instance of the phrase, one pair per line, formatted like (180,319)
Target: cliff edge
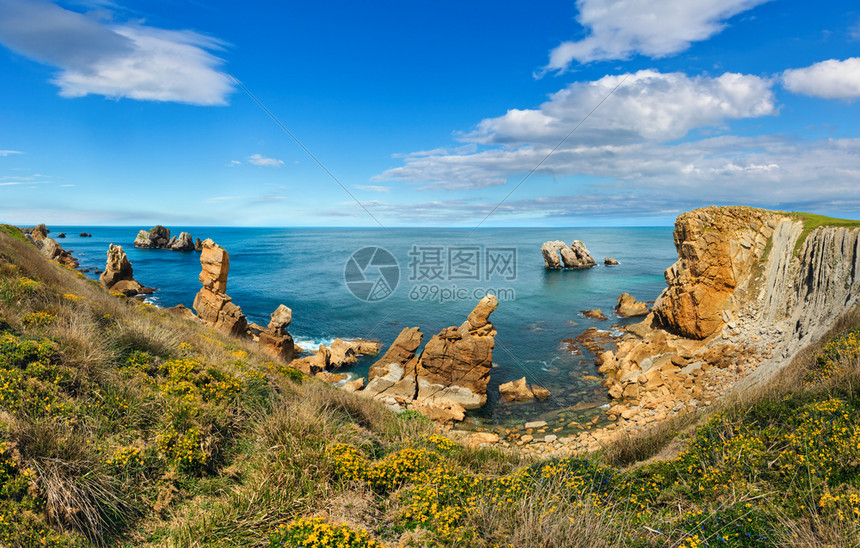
(750,289)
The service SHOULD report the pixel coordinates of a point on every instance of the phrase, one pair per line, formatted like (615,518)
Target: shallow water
(539,308)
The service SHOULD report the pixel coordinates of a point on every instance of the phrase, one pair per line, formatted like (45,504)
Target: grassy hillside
(811,221)
(121,425)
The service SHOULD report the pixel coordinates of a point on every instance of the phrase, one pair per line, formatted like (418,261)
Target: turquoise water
(304,269)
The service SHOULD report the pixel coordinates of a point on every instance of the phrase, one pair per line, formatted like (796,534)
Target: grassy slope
(812,221)
(124,426)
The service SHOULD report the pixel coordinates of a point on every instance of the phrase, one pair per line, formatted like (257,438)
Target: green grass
(13,231)
(812,221)
(121,425)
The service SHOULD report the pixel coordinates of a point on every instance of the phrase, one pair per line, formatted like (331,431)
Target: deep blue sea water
(304,269)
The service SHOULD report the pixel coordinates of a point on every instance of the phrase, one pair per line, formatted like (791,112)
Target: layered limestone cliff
(750,289)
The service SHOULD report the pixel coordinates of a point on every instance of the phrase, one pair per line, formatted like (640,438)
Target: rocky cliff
(750,288)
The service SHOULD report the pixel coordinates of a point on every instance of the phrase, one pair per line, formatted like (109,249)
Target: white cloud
(9,152)
(831,79)
(374,188)
(132,61)
(647,179)
(262,161)
(657,28)
(648,105)
(234,163)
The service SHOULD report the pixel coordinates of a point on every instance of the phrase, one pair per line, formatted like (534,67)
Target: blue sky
(427,113)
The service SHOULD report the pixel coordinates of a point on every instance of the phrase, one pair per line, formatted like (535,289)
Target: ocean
(431,278)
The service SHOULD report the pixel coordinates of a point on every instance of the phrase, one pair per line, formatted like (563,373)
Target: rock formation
(451,373)
(118,275)
(610,261)
(275,340)
(594,314)
(158,237)
(347,352)
(212,303)
(519,390)
(183,242)
(557,254)
(628,306)
(748,292)
(38,236)
(315,363)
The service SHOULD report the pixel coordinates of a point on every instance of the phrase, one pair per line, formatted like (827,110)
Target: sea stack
(118,274)
(212,303)
(557,255)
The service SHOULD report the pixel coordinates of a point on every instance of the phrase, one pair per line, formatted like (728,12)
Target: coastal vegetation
(123,425)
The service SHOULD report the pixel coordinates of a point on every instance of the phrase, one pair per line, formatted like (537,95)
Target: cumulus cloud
(650,107)
(262,161)
(638,155)
(831,79)
(132,61)
(656,28)
(234,163)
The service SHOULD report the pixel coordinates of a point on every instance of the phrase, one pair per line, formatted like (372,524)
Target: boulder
(610,261)
(182,311)
(628,306)
(540,392)
(198,244)
(594,314)
(363,346)
(129,288)
(313,364)
(342,353)
(61,235)
(280,319)
(442,412)
(277,345)
(516,390)
(353,386)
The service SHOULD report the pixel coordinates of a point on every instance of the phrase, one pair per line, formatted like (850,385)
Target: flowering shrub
(28,285)
(38,319)
(831,362)
(182,449)
(317,533)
